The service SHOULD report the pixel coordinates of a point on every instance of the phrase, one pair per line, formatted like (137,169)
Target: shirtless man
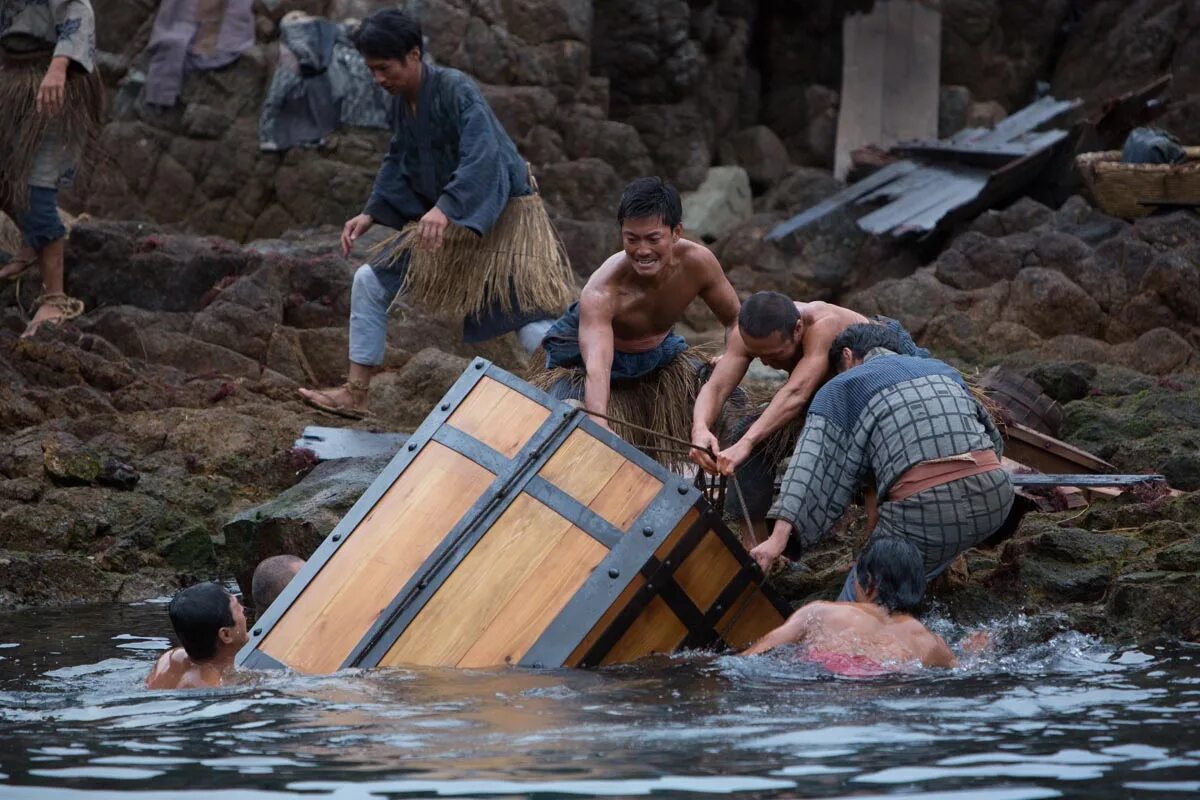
(786,335)
(211,626)
(864,636)
(621,328)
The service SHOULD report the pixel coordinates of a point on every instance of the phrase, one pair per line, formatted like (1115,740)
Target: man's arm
(791,632)
(807,376)
(717,292)
(726,376)
(596,348)
(937,653)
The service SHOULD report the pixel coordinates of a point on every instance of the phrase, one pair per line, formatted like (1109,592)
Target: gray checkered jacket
(879,418)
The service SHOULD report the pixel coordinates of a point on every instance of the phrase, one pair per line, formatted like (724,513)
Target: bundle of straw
(521,260)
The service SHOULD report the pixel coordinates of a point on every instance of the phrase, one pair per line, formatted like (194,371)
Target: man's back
(176,670)
(866,630)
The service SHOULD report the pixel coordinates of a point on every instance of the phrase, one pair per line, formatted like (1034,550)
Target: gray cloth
(1151,146)
(320,84)
(194,34)
(67,26)
(943,521)
(880,418)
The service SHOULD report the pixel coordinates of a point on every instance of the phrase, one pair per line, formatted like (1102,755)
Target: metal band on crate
(457,544)
(268,618)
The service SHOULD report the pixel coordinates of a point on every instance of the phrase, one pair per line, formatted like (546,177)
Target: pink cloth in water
(851,666)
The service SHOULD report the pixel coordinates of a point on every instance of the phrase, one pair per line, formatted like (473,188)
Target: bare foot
(342,400)
(53,309)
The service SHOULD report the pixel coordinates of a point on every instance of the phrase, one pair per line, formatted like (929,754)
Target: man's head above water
(891,574)
(271,577)
(391,44)
(651,218)
(207,619)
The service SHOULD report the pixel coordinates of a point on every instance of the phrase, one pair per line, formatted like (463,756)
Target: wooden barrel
(512,529)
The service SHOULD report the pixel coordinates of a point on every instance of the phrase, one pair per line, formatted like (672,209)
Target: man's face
(397,75)
(775,349)
(649,244)
(237,635)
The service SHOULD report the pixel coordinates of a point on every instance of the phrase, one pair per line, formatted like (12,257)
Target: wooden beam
(1049,455)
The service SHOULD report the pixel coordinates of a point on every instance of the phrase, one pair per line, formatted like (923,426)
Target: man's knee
(365,285)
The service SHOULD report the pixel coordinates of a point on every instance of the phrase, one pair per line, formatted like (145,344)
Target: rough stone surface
(719,205)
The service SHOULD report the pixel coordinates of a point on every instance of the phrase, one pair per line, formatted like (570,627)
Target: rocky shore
(149,443)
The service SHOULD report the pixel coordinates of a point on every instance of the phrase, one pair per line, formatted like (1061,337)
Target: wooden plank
(486,580)
(606,619)
(860,109)
(328,444)
(681,528)
(582,466)
(935,197)
(850,194)
(390,543)
(748,619)
(706,571)
(1027,119)
(896,116)
(625,497)
(1084,481)
(498,416)
(537,601)
(656,630)
(954,195)
(1047,454)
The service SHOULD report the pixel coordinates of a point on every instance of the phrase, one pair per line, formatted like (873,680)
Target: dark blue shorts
(40,224)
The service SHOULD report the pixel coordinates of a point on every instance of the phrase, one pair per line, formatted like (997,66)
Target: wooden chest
(512,529)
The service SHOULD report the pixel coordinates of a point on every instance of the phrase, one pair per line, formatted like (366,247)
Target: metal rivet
(614,573)
(667,562)
(683,490)
(649,587)
(445,406)
(647,531)
(718,608)
(478,365)
(537,665)
(337,537)
(412,446)
(258,631)
(422,584)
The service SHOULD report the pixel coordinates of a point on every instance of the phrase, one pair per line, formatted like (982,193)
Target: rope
(689,446)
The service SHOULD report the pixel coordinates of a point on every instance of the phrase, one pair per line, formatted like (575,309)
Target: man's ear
(847,359)
(677,232)
(225,635)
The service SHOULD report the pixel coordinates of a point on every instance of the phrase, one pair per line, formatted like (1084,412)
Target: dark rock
(953,102)
(298,520)
(38,579)
(406,397)
(1078,546)
(1066,582)
(1064,381)
(1180,557)
(117,473)
(800,189)
(975,261)
(760,152)
(1155,604)
(573,186)
(1050,304)
(1161,351)
(1022,216)
(68,462)
(613,142)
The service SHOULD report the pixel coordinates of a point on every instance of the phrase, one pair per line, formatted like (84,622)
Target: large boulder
(719,205)
(761,153)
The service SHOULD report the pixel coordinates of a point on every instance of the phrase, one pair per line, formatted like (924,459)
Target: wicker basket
(1116,188)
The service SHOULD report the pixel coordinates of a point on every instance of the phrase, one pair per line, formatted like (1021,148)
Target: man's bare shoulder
(695,254)
(169,670)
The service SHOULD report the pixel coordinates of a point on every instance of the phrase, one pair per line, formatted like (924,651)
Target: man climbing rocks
(473,238)
(50,107)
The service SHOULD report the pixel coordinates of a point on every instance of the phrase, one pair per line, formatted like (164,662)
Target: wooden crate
(512,529)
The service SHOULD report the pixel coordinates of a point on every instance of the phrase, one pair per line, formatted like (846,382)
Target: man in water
(211,626)
(913,427)
(621,330)
(787,335)
(860,636)
(474,238)
(271,577)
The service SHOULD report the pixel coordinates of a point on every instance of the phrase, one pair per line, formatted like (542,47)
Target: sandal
(68,307)
(332,408)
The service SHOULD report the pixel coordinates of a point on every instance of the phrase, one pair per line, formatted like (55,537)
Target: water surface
(1068,717)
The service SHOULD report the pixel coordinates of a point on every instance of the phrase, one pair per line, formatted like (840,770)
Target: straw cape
(661,401)
(23,130)
(520,264)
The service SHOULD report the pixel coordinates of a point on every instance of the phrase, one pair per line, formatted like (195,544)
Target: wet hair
(389,33)
(270,577)
(197,613)
(862,339)
(650,197)
(893,567)
(765,313)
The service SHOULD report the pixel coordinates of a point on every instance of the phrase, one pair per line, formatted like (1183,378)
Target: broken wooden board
(935,187)
(1083,481)
(512,529)
(891,77)
(1049,455)
(328,444)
